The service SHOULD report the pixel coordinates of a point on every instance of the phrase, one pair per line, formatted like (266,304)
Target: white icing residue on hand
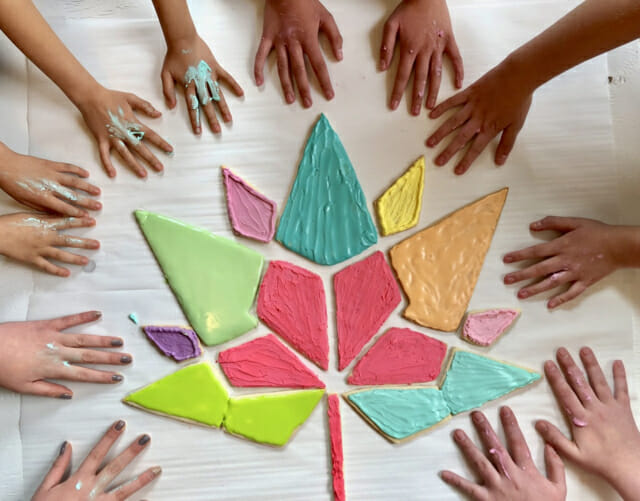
(35,222)
(123,129)
(201,76)
(51,346)
(79,486)
(42,185)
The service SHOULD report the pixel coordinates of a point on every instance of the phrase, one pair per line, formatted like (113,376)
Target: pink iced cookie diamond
(401,356)
(366,294)
(483,328)
(292,303)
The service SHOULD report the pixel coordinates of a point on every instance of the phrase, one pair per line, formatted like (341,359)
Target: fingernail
(431,142)
(119,425)
(330,94)
(117,378)
(507,279)
(476,417)
(66,396)
(416,110)
(116,342)
(125,359)
(523,294)
(501,159)
(394,104)
(440,161)
(97,314)
(458,435)
(144,439)
(289,98)
(541,426)
(307,102)
(63,448)
(340,55)
(156,471)
(508,259)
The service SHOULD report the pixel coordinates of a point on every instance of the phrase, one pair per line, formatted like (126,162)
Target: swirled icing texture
(178,343)
(400,356)
(399,413)
(485,327)
(399,207)
(214,279)
(439,266)
(337,457)
(366,294)
(272,418)
(292,303)
(472,380)
(251,213)
(326,218)
(193,393)
(266,362)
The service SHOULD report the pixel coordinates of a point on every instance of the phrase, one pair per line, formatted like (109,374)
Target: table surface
(581,132)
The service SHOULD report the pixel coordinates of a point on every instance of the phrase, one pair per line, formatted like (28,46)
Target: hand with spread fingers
(498,103)
(46,186)
(605,438)
(421,31)
(36,239)
(506,474)
(110,117)
(92,479)
(32,353)
(190,63)
(292,28)
(585,252)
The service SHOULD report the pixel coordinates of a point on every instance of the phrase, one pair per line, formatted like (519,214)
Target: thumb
(57,471)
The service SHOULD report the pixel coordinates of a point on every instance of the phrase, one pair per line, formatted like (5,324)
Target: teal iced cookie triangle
(399,413)
(473,380)
(214,279)
(326,218)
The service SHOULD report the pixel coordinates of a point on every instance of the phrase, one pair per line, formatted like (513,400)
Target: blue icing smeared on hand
(123,129)
(201,75)
(472,380)
(326,217)
(195,105)
(400,413)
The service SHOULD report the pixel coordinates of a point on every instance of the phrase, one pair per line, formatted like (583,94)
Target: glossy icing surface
(337,456)
(399,207)
(193,393)
(178,343)
(366,294)
(214,279)
(439,266)
(266,362)
(326,218)
(400,413)
(400,356)
(251,213)
(472,380)
(485,327)
(272,418)
(292,303)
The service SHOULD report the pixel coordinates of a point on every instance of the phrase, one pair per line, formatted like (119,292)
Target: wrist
(518,70)
(625,247)
(84,92)
(625,480)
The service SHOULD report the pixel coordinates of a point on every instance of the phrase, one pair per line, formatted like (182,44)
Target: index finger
(69,321)
(72,222)
(538,251)
(95,458)
(515,439)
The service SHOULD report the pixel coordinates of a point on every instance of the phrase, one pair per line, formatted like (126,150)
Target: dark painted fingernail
(117,378)
(98,314)
(63,448)
(144,440)
(119,425)
(116,342)
(126,359)
(66,396)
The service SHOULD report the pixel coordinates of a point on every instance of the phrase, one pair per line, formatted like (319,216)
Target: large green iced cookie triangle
(473,380)
(270,418)
(326,218)
(214,279)
(192,394)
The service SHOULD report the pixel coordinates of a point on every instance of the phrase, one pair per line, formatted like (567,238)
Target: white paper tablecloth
(564,163)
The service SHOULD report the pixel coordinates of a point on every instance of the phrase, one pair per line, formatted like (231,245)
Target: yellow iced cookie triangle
(439,266)
(192,394)
(271,418)
(399,207)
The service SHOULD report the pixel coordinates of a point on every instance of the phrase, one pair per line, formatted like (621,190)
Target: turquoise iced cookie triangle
(214,279)
(473,380)
(326,218)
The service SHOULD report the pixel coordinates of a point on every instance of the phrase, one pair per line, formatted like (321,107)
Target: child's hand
(506,475)
(606,440)
(584,253)
(110,116)
(177,63)
(497,102)
(92,480)
(422,31)
(32,352)
(292,28)
(35,239)
(46,186)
